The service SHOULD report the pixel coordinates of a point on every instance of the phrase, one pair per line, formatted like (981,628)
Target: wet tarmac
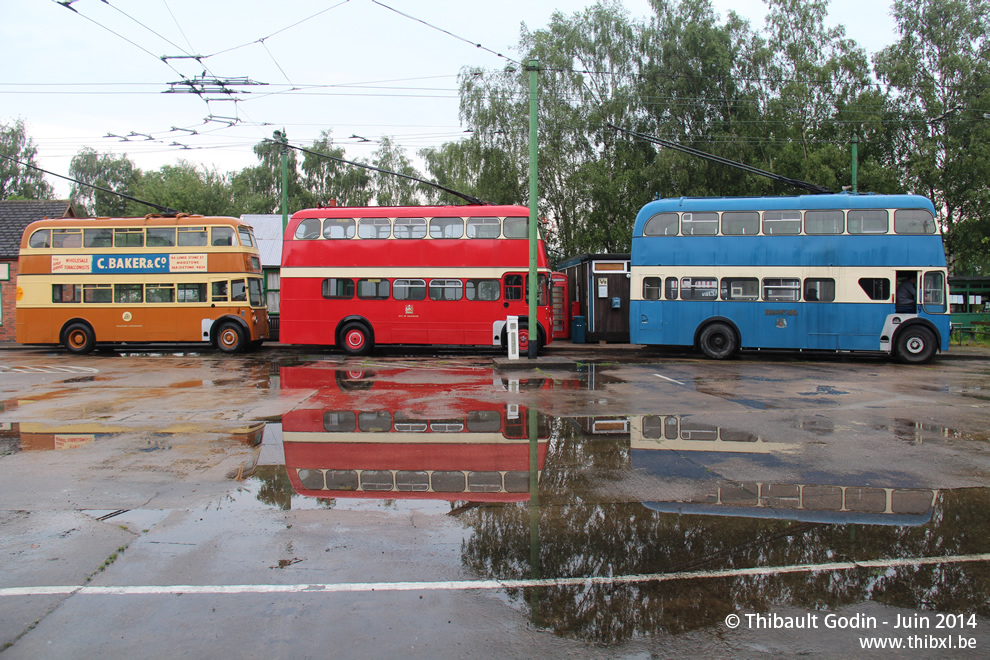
(595,503)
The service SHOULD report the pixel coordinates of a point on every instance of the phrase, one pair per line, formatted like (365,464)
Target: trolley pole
(534,328)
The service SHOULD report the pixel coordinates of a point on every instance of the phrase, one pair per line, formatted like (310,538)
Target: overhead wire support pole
(283,142)
(533,66)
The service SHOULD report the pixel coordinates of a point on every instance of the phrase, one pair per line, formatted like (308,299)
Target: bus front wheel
(355,339)
(79,339)
(915,345)
(230,338)
(718,341)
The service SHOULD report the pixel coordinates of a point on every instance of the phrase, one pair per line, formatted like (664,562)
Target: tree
(328,179)
(19,179)
(938,75)
(186,188)
(258,189)
(391,190)
(114,173)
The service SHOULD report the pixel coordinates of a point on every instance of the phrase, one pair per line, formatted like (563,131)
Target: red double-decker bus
(432,275)
(367,434)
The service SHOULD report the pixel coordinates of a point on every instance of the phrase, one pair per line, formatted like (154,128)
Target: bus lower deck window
(483,290)
(97,293)
(159,293)
(819,290)
(336,287)
(66,293)
(373,289)
(192,293)
(877,288)
(651,288)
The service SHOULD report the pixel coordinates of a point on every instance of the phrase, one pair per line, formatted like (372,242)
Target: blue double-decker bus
(838,272)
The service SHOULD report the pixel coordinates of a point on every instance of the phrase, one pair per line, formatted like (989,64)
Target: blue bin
(579,327)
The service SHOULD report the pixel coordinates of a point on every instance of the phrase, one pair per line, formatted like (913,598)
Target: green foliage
(112,173)
(18,181)
(186,188)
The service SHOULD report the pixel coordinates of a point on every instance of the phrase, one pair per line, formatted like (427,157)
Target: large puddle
(569,510)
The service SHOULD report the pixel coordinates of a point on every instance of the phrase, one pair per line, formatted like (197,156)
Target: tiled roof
(16,215)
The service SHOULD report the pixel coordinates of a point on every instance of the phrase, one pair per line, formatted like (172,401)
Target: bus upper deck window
(914,221)
(374,228)
(870,221)
(339,228)
(699,224)
(446,227)
(409,228)
(160,237)
(741,223)
(781,222)
(308,229)
(247,236)
(483,228)
(192,236)
(824,222)
(222,236)
(67,238)
(662,224)
(41,239)
(516,228)
(97,238)
(129,237)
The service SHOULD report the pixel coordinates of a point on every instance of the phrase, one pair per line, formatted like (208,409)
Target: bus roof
(459,211)
(802,202)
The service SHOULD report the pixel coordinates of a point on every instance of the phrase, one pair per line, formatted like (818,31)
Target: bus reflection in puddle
(478,454)
(359,435)
(672,447)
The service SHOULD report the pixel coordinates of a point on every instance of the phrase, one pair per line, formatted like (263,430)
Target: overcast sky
(95,76)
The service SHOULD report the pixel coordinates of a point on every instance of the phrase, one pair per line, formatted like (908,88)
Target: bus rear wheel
(230,338)
(79,339)
(718,341)
(915,345)
(355,339)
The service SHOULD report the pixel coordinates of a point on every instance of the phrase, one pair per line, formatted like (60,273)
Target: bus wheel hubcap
(916,344)
(355,339)
(228,337)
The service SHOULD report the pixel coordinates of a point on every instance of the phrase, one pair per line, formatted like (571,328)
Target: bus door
(906,292)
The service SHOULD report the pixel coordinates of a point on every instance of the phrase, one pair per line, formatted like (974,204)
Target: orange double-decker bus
(189,278)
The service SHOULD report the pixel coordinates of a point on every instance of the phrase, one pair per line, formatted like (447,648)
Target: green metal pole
(855,159)
(534,333)
(283,140)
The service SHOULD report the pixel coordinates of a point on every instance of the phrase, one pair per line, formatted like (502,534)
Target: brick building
(14,217)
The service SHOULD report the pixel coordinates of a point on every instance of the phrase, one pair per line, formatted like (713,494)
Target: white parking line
(670,379)
(49,369)
(464,585)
